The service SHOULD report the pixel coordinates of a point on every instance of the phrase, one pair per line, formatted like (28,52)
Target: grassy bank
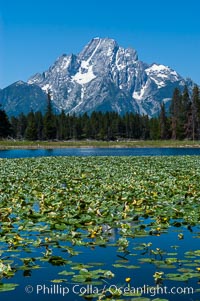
(16,144)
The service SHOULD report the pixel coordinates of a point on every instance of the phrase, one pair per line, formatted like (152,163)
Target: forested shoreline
(181,122)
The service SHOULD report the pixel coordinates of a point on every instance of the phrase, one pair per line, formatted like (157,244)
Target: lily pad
(160,299)
(57,260)
(59,280)
(181,277)
(185,270)
(66,273)
(118,265)
(141,299)
(4,287)
(132,294)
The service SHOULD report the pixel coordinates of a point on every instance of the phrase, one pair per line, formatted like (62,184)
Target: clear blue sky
(33,33)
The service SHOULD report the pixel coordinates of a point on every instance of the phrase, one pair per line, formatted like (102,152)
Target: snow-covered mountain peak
(98,46)
(105,76)
(160,69)
(160,74)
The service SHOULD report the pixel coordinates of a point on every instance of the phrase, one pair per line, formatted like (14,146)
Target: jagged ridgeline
(102,77)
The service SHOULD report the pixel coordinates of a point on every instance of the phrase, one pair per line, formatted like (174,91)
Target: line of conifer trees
(181,122)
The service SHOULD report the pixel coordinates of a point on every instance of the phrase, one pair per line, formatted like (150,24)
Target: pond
(25,153)
(100,228)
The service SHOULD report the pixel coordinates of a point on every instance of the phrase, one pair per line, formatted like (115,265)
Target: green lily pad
(60,227)
(185,270)
(167,266)
(80,266)
(181,277)
(66,273)
(132,294)
(59,280)
(194,264)
(141,299)
(147,260)
(25,267)
(57,260)
(118,265)
(4,287)
(159,299)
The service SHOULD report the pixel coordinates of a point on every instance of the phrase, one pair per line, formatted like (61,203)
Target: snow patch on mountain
(83,77)
(46,88)
(138,95)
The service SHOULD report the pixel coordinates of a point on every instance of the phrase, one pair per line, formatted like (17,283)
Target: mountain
(22,97)
(102,77)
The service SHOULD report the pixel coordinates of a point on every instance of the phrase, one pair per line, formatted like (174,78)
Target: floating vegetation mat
(98,228)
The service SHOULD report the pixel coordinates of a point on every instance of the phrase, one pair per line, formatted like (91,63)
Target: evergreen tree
(127,124)
(189,123)
(21,126)
(61,126)
(77,130)
(175,110)
(14,123)
(69,127)
(154,129)
(31,129)
(85,124)
(5,126)
(185,114)
(131,124)
(195,113)
(73,129)
(138,127)
(145,127)
(163,126)
(49,121)
(94,122)
(39,125)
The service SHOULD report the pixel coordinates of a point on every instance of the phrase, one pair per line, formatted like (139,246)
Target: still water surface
(25,153)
